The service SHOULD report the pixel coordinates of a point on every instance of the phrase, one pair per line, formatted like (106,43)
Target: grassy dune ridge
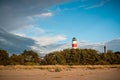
(15,67)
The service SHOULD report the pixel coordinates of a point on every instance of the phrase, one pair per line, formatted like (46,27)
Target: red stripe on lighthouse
(74,45)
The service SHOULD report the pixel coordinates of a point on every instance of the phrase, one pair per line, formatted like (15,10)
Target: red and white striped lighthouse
(74,43)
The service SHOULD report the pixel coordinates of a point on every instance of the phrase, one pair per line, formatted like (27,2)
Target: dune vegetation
(66,57)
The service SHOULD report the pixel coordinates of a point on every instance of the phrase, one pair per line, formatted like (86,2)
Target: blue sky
(90,20)
(59,21)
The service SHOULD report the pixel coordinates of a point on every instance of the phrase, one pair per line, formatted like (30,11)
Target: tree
(110,57)
(55,58)
(16,60)
(30,57)
(117,58)
(4,58)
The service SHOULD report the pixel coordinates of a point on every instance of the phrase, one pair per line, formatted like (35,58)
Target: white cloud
(101,3)
(84,42)
(44,15)
(47,40)
(98,3)
(36,30)
(29,31)
(58,9)
(36,48)
(36,17)
(20,34)
(39,35)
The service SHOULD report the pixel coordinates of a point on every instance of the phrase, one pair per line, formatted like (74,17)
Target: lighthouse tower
(74,43)
(105,52)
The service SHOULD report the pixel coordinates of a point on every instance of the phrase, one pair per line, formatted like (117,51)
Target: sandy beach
(64,74)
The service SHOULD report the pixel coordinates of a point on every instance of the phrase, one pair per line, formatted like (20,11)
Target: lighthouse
(74,43)
(105,53)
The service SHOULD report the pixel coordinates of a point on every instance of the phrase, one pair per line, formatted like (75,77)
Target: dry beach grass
(14,67)
(60,72)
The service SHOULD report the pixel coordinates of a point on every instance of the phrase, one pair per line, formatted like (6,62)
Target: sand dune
(63,74)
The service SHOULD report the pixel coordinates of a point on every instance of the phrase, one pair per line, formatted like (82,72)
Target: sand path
(72,74)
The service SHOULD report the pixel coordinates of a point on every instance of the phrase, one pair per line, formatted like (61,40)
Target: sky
(58,21)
